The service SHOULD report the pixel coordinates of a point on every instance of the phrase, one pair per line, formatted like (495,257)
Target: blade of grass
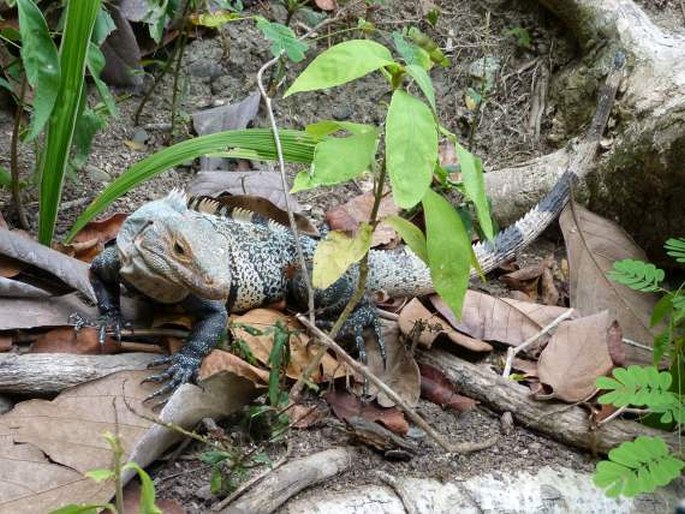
(298,146)
(78,27)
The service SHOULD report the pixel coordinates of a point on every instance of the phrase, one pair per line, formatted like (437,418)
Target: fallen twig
(513,351)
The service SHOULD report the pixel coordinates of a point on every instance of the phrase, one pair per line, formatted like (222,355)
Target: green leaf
(411,234)
(215,457)
(87,125)
(329,167)
(637,275)
(411,148)
(340,64)
(449,248)
(80,19)
(337,252)
(282,39)
(100,475)
(636,467)
(96,63)
(663,308)
(147,490)
(104,26)
(5,177)
(676,248)
(423,80)
(278,361)
(216,482)
(474,187)
(41,62)
(298,146)
(411,53)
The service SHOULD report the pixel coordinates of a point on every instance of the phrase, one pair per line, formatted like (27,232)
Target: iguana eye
(178,249)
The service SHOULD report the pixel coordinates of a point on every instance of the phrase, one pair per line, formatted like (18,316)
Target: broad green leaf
(411,53)
(96,63)
(411,148)
(104,26)
(449,250)
(335,254)
(282,39)
(100,475)
(88,124)
(5,177)
(41,62)
(423,80)
(147,490)
(340,64)
(80,19)
(411,234)
(474,187)
(339,159)
(297,146)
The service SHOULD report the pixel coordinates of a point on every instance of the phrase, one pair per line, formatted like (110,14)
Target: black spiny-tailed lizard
(178,250)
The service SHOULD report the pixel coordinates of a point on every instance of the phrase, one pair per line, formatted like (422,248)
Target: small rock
(140,135)
(97,174)
(342,112)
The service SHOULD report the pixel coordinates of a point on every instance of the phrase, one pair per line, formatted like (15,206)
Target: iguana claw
(182,369)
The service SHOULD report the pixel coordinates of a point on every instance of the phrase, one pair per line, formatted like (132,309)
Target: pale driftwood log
(288,480)
(566,423)
(49,373)
(640,181)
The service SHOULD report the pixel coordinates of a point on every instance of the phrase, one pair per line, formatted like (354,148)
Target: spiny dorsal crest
(208,205)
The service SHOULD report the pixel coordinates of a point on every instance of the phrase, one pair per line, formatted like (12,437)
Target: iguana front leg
(210,327)
(105,279)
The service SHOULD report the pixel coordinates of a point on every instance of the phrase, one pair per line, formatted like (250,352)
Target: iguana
(213,263)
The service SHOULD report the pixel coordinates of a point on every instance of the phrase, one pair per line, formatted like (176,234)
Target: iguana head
(168,251)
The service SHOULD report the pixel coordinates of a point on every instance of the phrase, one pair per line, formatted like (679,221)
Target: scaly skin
(214,262)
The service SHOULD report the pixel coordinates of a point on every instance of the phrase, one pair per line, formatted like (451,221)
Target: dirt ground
(216,72)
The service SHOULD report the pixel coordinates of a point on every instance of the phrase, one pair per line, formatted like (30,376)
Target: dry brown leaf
(16,313)
(549,292)
(103,230)
(348,216)
(346,406)
(70,271)
(45,446)
(575,356)
(434,325)
(437,388)
(499,319)
(528,367)
(304,416)
(85,251)
(220,360)
(301,353)
(68,340)
(594,244)
(401,372)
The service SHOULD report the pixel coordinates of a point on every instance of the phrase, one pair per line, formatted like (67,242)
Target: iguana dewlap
(212,263)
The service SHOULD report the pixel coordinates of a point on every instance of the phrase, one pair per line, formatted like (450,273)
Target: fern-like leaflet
(636,467)
(642,387)
(637,275)
(675,247)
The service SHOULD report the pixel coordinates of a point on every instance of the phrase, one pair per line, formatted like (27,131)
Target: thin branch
(512,352)
(342,355)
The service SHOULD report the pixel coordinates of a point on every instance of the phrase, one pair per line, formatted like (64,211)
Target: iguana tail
(403,273)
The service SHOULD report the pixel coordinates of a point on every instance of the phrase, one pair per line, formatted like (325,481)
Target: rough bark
(50,373)
(640,181)
(569,424)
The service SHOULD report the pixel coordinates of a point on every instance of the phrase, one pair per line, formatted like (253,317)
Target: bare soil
(222,68)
